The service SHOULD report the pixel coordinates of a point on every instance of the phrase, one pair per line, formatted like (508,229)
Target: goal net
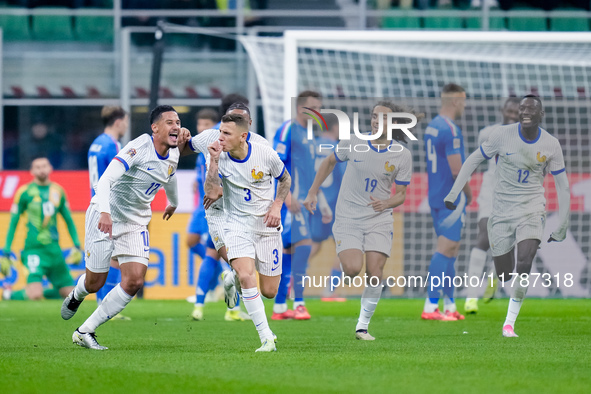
(354,69)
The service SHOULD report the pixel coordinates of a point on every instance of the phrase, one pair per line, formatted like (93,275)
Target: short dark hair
(208,113)
(109,114)
(230,99)
(238,119)
(240,106)
(303,96)
(157,112)
(37,157)
(452,88)
(533,96)
(512,100)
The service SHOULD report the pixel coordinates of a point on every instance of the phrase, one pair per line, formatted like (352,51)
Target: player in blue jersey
(198,240)
(321,225)
(197,232)
(297,153)
(103,149)
(444,146)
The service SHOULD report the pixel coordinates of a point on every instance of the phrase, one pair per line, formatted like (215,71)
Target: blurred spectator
(206,119)
(10,150)
(43,143)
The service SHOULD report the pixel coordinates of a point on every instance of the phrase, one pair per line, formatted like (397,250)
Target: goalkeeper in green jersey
(42,200)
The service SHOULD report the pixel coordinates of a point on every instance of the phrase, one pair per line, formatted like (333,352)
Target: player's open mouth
(526,120)
(174,136)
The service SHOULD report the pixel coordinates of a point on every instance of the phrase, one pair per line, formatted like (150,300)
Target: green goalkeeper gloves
(5,263)
(74,256)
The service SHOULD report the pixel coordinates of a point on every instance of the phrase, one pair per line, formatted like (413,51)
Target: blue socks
(113,279)
(300,264)
(281,296)
(441,266)
(207,278)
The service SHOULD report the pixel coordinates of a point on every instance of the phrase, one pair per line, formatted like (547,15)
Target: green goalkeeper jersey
(41,203)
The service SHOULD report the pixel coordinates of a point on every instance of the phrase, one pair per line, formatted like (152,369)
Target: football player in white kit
(117,220)
(252,228)
(363,220)
(510,112)
(214,213)
(525,154)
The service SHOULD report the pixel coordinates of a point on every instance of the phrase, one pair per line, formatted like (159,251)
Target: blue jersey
(291,141)
(200,179)
(442,138)
(103,149)
(330,187)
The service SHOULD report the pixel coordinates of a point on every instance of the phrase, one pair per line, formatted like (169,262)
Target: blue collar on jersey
(379,151)
(247,155)
(158,154)
(527,141)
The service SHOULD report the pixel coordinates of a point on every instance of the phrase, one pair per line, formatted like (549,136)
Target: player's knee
(269,291)
(482,242)
(192,240)
(34,295)
(351,271)
(92,286)
(132,285)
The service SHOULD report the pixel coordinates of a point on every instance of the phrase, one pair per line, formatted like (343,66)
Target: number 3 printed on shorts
(276,255)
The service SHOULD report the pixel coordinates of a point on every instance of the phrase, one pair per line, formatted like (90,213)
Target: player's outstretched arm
(114,171)
(463,177)
(563,191)
(273,216)
(171,190)
(19,205)
(64,210)
(325,169)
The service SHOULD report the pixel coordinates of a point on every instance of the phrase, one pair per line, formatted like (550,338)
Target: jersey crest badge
(170,170)
(256,175)
(541,159)
(388,167)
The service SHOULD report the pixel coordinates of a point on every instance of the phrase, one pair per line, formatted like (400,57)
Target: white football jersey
(521,168)
(248,187)
(199,144)
(488,177)
(146,172)
(370,173)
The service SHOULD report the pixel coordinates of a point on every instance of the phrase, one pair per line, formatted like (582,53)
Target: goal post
(352,69)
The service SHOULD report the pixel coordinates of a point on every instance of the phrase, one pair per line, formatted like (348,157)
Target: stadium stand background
(61,59)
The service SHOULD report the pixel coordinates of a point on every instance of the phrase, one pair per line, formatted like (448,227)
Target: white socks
(475,268)
(449,305)
(80,290)
(515,303)
(256,310)
(112,304)
(279,308)
(369,302)
(298,303)
(429,306)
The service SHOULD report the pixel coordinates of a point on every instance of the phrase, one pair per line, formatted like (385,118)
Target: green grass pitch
(162,351)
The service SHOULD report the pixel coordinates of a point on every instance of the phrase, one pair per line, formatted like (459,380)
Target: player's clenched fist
(105,224)
(215,149)
(273,216)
